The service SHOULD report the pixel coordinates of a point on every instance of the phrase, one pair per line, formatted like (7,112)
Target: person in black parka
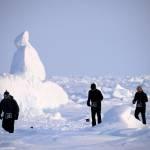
(140,99)
(10,110)
(94,101)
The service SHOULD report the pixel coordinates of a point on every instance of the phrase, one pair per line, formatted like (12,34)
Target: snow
(54,112)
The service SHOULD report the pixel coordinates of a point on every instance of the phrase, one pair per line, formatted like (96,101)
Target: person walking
(140,99)
(10,110)
(94,101)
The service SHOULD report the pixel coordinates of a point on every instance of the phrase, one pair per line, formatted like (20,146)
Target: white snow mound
(122,115)
(130,120)
(33,96)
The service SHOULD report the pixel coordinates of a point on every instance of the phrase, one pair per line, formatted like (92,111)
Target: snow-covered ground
(65,127)
(53,112)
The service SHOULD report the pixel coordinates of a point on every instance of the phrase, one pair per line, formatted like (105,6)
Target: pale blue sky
(80,37)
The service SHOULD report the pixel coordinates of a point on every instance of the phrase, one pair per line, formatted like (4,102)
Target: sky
(80,37)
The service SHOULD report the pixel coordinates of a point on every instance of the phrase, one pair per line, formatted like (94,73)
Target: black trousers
(96,112)
(8,125)
(141,110)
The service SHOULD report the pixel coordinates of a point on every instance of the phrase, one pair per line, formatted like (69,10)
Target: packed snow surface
(65,127)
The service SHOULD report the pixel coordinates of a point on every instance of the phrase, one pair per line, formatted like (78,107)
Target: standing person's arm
(145,98)
(16,110)
(0,110)
(101,96)
(135,99)
(89,98)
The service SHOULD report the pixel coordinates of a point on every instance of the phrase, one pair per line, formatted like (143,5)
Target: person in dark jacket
(10,110)
(140,99)
(94,101)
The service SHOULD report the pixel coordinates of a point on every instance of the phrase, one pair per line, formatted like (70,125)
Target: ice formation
(27,81)
(121,92)
(26,60)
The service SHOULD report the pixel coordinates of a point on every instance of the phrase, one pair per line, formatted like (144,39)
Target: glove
(88,103)
(133,102)
(16,116)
